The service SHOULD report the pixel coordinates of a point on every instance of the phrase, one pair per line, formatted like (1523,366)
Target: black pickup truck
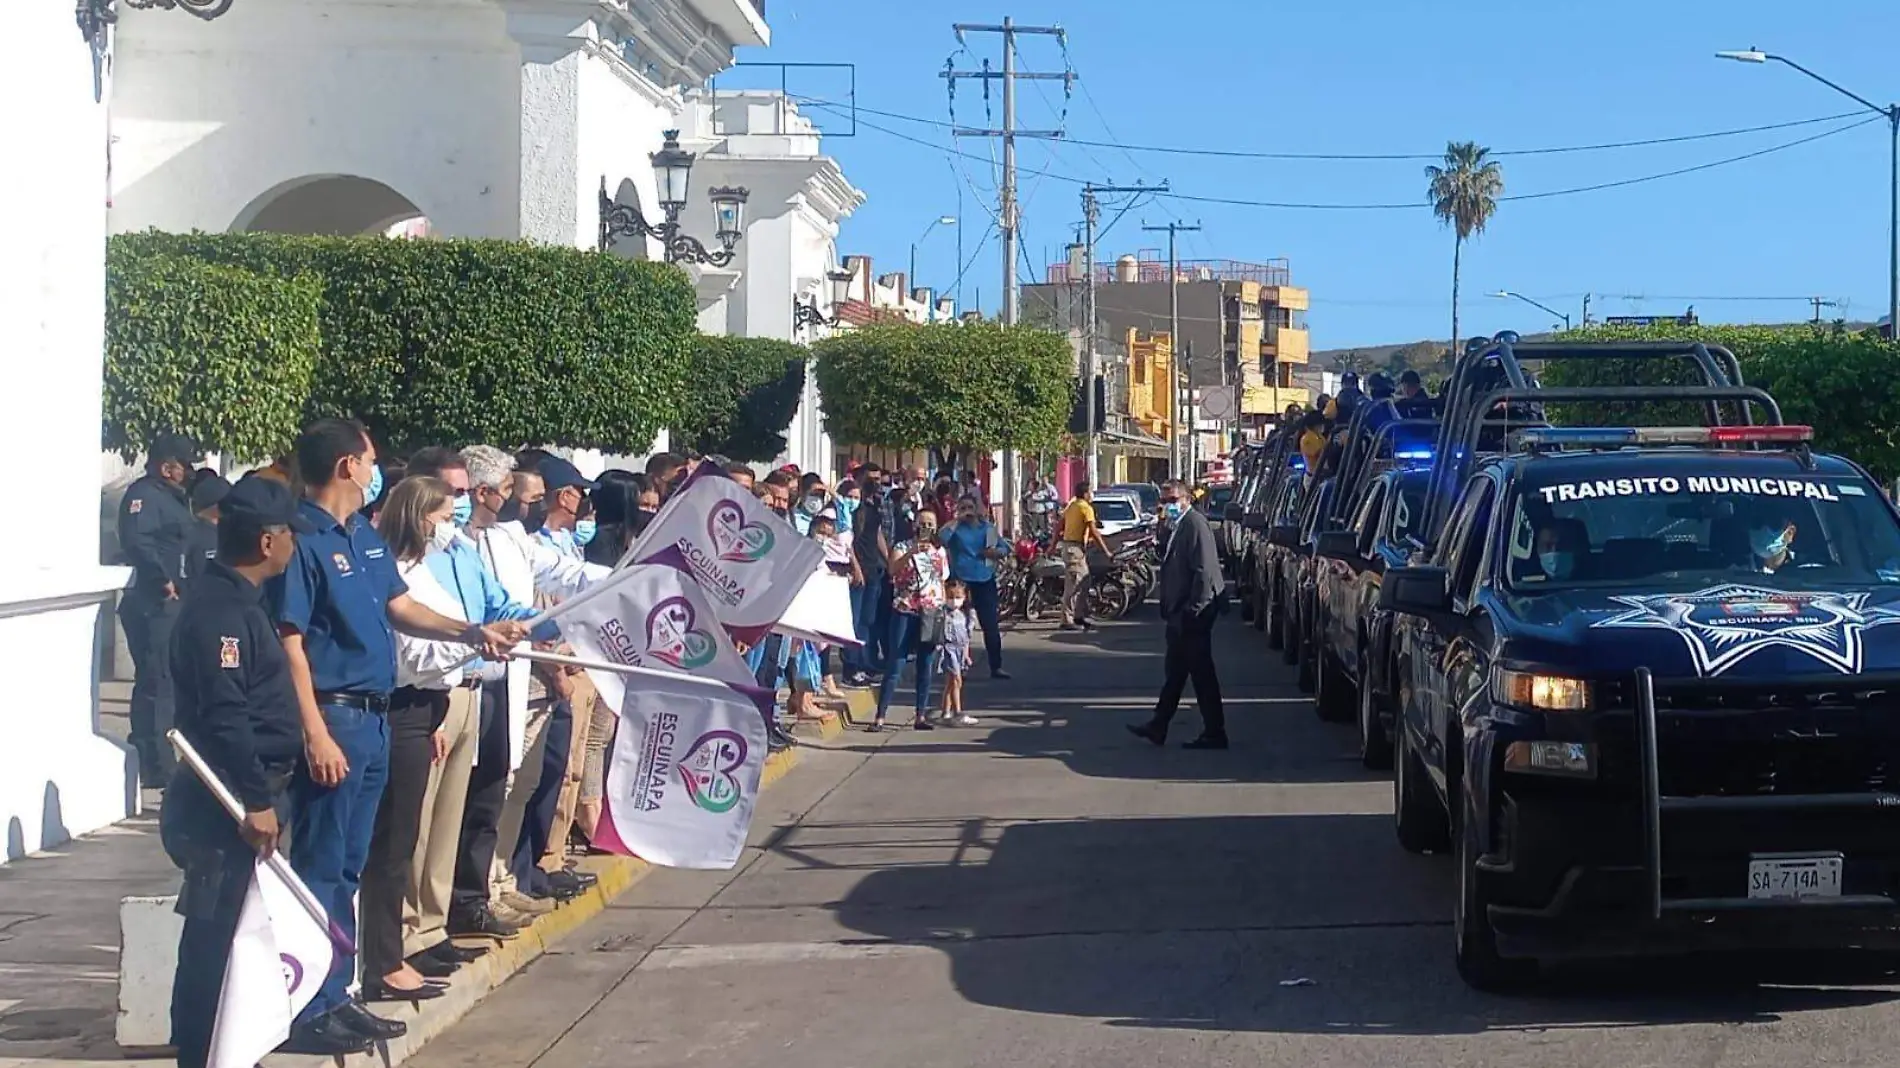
(1649,696)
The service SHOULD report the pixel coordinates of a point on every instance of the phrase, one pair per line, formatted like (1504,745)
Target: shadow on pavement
(1197,923)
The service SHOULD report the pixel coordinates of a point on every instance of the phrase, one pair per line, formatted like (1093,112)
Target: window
(1366,523)
(1466,541)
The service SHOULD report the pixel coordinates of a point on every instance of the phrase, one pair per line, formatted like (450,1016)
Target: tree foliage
(222,354)
(1839,381)
(1463,192)
(460,341)
(744,393)
(977,385)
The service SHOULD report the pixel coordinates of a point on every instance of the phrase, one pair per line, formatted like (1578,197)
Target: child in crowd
(953,653)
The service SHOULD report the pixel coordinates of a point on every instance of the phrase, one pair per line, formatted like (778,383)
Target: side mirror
(1233,513)
(1420,590)
(1254,521)
(1286,536)
(1338,545)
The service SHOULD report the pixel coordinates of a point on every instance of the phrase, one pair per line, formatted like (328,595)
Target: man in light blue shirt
(974,548)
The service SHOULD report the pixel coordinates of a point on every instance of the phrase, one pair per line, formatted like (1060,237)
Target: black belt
(470,682)
(368,702)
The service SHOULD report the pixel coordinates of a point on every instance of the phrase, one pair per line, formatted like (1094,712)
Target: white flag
(821,611)
(685,771)
(279,957)
(750,562)
(653,616)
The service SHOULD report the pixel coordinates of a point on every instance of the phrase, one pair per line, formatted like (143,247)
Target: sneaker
(964,721)
(527,906)
(482,922)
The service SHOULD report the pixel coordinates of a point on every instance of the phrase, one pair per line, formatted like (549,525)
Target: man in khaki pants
(1079,531)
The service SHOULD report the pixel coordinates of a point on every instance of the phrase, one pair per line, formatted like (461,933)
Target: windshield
(1680,526)
(1114,510)
(1150,496)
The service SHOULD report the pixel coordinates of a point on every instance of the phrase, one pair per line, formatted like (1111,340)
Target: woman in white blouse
(416,520)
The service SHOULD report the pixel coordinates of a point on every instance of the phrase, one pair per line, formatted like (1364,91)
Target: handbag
(930,626)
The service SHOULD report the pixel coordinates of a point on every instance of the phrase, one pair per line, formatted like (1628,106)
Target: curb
(474,982)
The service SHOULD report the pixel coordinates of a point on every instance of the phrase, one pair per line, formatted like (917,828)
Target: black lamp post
(95,15)
(804,314)
(672,173)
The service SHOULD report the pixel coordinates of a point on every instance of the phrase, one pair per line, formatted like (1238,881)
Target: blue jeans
(870,605)
(983,599)
(901,636)
(537,821)
(330,830)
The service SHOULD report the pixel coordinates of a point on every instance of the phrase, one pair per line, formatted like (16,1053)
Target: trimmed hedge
(745,392)
(221,353)
(978,385)
(1841,382)
(452,342)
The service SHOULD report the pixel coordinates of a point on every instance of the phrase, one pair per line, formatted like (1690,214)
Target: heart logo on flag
(710,768)
(293,972)
(735,539)
(672,638)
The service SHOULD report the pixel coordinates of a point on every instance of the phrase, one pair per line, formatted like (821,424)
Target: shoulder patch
(133,506)
(227,653)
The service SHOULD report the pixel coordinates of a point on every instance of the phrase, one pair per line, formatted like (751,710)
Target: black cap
(1350,378)
(257,502)
(559,475)
(1409,377)
(210,490)
(174,447)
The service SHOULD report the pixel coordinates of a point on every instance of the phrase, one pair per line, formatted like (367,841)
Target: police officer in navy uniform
(201,546)
(154,523)
(237,708)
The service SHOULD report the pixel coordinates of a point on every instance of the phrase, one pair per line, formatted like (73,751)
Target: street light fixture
(672,177)
(1892,114)
(1534,304)
(941,220)
(804,314)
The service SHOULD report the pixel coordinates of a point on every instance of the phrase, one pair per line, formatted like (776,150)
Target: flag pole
(278,864)
(619,669)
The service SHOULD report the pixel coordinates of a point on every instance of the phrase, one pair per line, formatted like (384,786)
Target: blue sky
(1394,76)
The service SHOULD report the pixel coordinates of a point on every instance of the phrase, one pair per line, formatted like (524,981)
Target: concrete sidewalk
(60,941)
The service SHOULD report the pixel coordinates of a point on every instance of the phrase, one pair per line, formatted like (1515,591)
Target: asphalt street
(1046,890)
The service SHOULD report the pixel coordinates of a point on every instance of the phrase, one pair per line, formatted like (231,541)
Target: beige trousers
(565,807)
(425,908)
(521,786)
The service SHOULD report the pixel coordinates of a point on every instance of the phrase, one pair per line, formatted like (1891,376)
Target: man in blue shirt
(974,548)
(334,609)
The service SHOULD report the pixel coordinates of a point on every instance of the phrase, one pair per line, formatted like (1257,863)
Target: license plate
(1794,875)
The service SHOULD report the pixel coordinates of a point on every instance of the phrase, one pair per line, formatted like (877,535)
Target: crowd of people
(332,634)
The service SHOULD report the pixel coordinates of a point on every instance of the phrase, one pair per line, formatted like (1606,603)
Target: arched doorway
(333,204)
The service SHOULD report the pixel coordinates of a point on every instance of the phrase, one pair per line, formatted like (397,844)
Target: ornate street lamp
(804,314)
(672,176)
(96,15)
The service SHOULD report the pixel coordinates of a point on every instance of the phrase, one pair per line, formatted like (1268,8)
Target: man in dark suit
(1191,587)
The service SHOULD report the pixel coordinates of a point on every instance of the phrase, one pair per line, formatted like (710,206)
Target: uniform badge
(342,563)
(228,653)
(133,506)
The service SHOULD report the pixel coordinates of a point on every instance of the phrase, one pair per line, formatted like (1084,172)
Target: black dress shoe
(999,673)
(366,1023)
(325,1036)
(377,990)
(446,950)
(481,922)
(1147,733)
(587,878)
(567,884)
(1205,742)
(431,966)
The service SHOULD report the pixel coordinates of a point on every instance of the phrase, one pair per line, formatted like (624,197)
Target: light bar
(1611,436)
(1412,454)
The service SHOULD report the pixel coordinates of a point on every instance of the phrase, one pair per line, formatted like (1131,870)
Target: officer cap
(259,503)
(559,475)
(210,490)
(174,447)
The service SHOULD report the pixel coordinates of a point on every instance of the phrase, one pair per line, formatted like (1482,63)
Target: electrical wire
(1548,150)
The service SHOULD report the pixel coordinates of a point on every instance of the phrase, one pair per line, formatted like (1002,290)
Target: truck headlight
(1551,758)
(1545,693)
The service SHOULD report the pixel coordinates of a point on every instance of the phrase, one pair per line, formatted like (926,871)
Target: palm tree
(1464,195)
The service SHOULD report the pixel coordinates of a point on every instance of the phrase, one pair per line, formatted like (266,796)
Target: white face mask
(442,536)
(956,602)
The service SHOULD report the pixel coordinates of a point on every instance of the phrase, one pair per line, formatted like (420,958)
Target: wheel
(1268,619)
(1476,940)
(1038,603)
(1309,652)
(1259,601)
(1110,600)
(1289,635)
(1333,699)
(1417,816)
(1375,745)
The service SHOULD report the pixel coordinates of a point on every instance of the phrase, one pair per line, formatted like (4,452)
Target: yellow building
(1281,347)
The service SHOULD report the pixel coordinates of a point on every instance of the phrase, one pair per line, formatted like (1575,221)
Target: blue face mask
(584,531)
(375,488)
(1768,543)
(1558,563)
(464,510)
(1174,509)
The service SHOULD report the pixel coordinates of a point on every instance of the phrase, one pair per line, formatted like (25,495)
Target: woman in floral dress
(918,570)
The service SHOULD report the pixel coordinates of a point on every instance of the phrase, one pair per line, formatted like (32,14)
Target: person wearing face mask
(1771,544)
(1561,544)
(814,498)
(560,515)
(974,547)
(155,523)
(953,654)
(665,471)
(918,570)
(337,608)
(1191,586)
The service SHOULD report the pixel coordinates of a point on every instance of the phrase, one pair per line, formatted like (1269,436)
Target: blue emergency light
(1616,436)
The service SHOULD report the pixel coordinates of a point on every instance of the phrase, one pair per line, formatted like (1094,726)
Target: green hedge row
(429,342)
(745,392)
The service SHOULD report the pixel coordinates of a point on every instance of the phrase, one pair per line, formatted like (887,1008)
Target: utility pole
(1181,451)
(1091,214)
(1586,309)
(1819,303)
(1009,222)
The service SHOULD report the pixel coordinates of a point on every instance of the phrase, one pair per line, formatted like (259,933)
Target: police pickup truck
(1649,696)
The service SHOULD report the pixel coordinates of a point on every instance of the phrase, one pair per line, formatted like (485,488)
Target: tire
(1289,635)
(1037,604)
(1309,653)
(1475,940)
(1110,600)
(1334,699)
(1265,619)
(1417,816)
(1375,746)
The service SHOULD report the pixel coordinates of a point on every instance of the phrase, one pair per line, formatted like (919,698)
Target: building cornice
(646,88)
(821,181)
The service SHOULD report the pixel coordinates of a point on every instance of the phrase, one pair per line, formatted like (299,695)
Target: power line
(1548,150)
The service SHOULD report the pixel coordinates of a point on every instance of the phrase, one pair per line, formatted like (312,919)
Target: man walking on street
(1079,531)
(155,524)
(1191,586)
